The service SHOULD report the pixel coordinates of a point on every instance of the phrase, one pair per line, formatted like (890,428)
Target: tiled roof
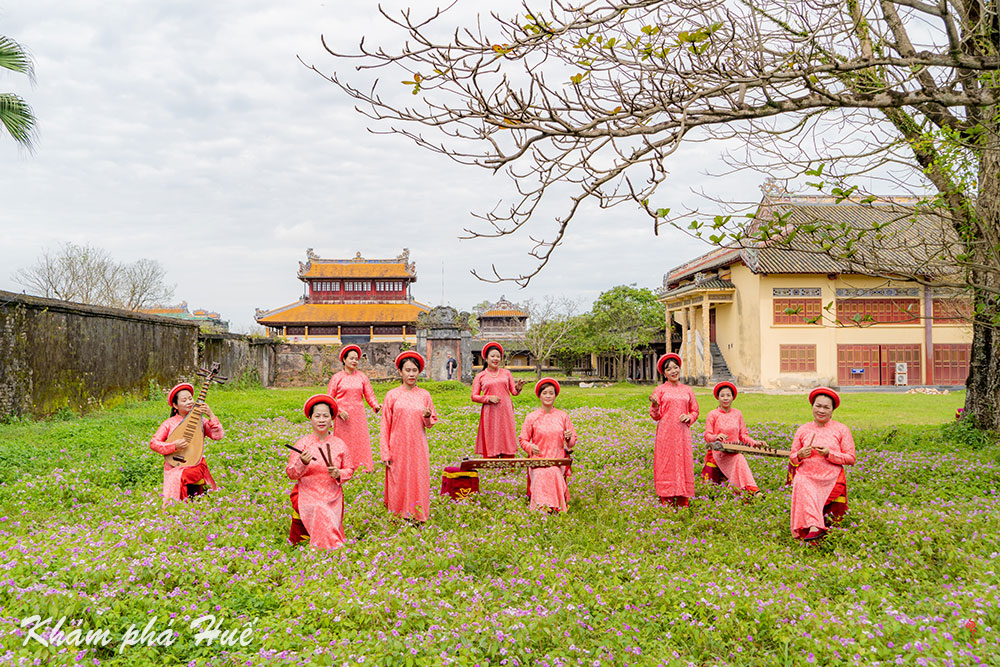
(334,313)
(713,284)
(347,270)
(504,313)
(906,243)
(712,259)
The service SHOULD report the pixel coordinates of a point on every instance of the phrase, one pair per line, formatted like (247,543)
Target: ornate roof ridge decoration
(402,258)
(503,308)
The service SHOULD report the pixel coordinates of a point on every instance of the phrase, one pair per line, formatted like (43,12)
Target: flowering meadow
(910,577)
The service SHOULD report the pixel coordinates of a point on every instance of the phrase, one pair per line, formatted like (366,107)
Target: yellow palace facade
(781,318)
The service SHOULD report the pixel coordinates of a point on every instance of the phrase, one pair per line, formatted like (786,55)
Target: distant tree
(550,322)
(624,320)
(579,342)
(16,116)
(87,274)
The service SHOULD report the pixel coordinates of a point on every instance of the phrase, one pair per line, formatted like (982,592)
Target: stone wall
(304,365)
(57,354)
(242,358)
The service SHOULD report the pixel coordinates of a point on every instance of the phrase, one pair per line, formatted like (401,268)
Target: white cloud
(190,133)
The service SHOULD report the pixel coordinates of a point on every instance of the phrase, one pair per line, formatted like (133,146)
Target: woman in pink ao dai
(673,408)
(493,388)
(352,389)
(548,433)
(319,469)
(820,451)
(725,424)
(407,413)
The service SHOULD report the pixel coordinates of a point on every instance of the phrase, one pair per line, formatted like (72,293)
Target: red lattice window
(878,311)
(797,311)
(797,358)
(951,311)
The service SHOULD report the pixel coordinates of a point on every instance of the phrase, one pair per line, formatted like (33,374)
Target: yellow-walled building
(775,317)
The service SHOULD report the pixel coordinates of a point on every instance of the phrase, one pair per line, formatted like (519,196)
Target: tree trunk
(983,385)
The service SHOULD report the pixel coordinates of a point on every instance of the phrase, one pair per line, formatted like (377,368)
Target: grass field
(616,580)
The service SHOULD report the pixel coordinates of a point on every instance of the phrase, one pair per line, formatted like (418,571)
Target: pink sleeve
(385,429)
(346,468)
(511,387)
(797,444)
(745,436)
(158,445)
(710,434)
(692,405)
(433,419)
(477,390)
(366,387)
(331,388)
(568,426)
(656,409)
(526,431)
(213,428)
(846,455)
(295,468)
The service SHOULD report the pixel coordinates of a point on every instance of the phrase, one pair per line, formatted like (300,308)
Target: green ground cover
(616,580)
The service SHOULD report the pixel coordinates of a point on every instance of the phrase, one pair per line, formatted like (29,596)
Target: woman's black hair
(405,359)
(312,408)
(173,405)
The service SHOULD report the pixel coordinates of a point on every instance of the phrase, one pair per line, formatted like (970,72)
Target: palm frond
(14,57)
(18,119)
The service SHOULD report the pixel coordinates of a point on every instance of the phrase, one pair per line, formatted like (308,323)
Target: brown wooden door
(858,365)
(951,363)
(711,325)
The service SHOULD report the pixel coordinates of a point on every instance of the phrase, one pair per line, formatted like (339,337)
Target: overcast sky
(188,132)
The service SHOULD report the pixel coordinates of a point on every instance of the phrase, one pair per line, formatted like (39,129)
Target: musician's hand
(387,464)
(535,450)
(567,434)
(759,443)
(686,418)
(805,452)
(334,472)
(305,457)
(207,411)
(343,415)
(722,437)
(378,409)
(823,450)
(493,400)
(427,413)
(180,444)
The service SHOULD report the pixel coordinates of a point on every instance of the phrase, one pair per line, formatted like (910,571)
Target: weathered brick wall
(240,357)
(56,354)
(303,365)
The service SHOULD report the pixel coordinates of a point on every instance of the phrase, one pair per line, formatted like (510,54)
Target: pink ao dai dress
(673,464)
(352,391)
(403,443)
(548,485)
(497,431)
(175,480)
(817,475)
(733,466)
(321,497)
